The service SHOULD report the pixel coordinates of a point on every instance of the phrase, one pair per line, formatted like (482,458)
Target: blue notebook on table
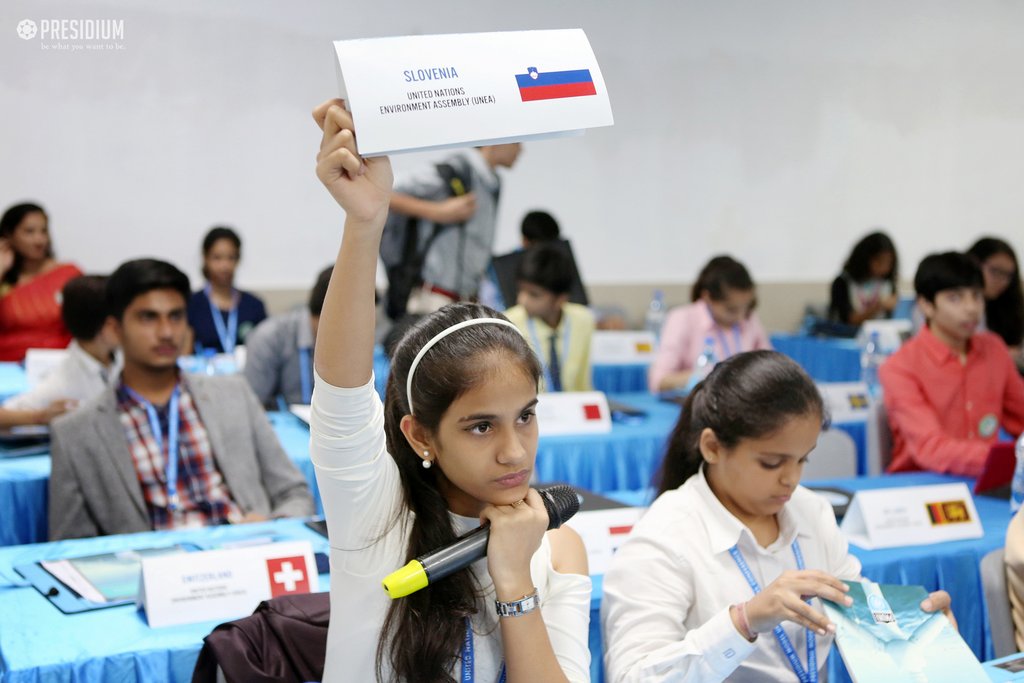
(83,584)
(885,636)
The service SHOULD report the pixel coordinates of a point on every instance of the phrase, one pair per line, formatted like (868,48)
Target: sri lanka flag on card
(552,85)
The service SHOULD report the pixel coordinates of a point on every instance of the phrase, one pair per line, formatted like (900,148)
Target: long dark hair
(11,219)
(1004,315)
(747,396)
(858,264)
(719,274)
(422,633)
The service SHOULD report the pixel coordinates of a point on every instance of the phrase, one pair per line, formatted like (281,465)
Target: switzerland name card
(460,90)
(911,515)
(186,588)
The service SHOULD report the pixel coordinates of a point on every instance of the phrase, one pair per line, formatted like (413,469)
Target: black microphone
(561,503)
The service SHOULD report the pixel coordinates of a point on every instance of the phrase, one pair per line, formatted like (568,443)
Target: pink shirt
(683,335)
(944,414)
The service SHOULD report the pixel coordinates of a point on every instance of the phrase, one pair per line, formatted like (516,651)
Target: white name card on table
(186,588)
(846,401)
(39,363)
(911,515)
(573,412)
(612,347)
(461,90)
(603,531)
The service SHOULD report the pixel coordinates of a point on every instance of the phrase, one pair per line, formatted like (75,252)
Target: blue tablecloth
(952,566)
(626,459)
(619,378)
(39,644)
(824,359)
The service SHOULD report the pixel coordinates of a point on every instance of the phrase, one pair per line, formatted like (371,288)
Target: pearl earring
(426,461)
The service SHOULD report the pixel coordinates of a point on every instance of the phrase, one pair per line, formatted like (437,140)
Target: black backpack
(406,241)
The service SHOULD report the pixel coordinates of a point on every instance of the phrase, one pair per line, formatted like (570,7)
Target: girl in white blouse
(683,600)
(453,447)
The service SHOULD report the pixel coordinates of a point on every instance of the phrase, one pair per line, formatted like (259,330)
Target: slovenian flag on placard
(534,85)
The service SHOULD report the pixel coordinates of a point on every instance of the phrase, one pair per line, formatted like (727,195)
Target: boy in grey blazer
(111,470)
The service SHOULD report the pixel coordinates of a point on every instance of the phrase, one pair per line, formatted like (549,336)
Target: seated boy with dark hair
(160,449)
(88,366)
(279,352)
(950,388)
(559,331)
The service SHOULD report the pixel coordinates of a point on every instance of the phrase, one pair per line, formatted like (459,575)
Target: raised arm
(362,187)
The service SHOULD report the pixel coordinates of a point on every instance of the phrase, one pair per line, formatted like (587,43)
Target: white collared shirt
(78,377)
(665,611)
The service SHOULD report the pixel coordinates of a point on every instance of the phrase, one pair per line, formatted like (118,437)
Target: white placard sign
(603,531)
(573,412)
(39,363)
(460,90)
(185,588)
(622,347)
(846,401)
(911,515)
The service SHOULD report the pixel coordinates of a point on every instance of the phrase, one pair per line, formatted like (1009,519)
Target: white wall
(778,131)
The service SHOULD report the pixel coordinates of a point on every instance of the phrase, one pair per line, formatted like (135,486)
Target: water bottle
(705,363)
(871,359)
(655,316)
(1017,487)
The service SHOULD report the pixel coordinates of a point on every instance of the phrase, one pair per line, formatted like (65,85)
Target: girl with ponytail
(683,598)
(452,447)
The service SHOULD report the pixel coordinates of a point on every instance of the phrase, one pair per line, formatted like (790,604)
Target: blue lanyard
(305,363)
(468,675)
(228,335)
(171,455)
(729,353)
(567,332)
(811,674)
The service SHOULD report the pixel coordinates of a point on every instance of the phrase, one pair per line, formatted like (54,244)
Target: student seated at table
(111,470)
(558,331)
(950,388)
(30,283)
(279,352)
(1004,296)
(221,316)
(733,544)
(721,312)
(88,366)
(867,287)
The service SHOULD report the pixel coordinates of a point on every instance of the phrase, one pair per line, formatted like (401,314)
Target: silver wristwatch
(517,608)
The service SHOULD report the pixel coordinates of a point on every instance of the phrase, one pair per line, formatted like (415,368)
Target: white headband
(438,337)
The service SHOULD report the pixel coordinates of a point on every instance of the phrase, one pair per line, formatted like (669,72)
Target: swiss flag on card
(591,411)
(288,576)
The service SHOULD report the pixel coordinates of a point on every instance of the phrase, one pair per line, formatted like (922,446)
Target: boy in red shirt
(950,388)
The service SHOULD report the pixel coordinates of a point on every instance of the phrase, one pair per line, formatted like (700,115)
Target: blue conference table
(826,359)
(952,566)
(625,459)
(38,644)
